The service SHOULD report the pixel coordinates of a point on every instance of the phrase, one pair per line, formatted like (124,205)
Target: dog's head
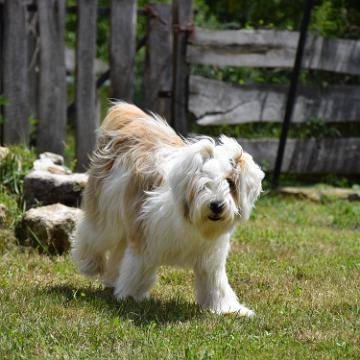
(215,185)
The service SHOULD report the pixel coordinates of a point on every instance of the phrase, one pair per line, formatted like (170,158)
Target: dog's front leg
(213,291)
(136,277)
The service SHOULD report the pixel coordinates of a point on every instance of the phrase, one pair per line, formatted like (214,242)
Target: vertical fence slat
(52,91)
(182,23)
(158,61)
(15,74)
(33,62)
(122,49)
(86,112)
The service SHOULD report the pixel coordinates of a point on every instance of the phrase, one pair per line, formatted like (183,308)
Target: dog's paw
(244,311)
(236,309)
(138,297)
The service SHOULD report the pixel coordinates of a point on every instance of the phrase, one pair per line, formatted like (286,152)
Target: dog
(154,198)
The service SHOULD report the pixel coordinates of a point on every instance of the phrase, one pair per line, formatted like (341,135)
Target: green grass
(296,263)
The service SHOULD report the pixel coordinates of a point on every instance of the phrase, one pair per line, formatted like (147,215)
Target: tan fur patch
(212,230)
(130,136)
(241,163)
(134,198)
(90,198)
(125,119)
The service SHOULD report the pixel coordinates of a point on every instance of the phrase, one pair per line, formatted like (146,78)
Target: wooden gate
(33,78)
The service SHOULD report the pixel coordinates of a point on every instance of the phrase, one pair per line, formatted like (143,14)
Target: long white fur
(170,237)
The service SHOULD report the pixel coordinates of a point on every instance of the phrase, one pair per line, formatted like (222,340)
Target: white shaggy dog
(154,199)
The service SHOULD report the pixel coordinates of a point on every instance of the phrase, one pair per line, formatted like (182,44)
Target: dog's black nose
(217,207)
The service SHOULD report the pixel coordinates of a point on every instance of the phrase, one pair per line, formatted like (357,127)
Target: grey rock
(48,228)
(47,188)
(45,164)
(54,158)
(317,194)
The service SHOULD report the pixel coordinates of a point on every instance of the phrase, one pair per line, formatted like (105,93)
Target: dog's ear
(188,164)
(191,158)
(232,148)
(247,173)
(251,176)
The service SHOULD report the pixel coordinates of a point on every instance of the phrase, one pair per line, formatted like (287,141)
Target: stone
(51,182)
(45,187)
(52,163)
(46,164)
(3,153)
(54,158)
(317,194)
(48,228)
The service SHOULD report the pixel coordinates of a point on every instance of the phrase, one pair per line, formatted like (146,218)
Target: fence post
(158,61)
(15,73)
(1,70)
(290,102)
(32,21)
(123,49)
(86,110)
(52,90)
(182,24)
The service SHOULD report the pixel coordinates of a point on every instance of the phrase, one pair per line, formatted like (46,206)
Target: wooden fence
(215,102)
(33,78)
(33,68)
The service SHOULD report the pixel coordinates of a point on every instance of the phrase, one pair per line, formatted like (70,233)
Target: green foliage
(3,102)
(247,131)
(12,212)
(330,19)
(312,128)
(255,14)
(13,169)
(338,18)
(243,76)
(103,30)
(70,148)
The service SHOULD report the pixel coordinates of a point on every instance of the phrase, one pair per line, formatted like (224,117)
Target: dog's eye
(231,183)
(232,163)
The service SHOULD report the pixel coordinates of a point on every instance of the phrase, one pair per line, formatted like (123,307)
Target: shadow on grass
(141,314)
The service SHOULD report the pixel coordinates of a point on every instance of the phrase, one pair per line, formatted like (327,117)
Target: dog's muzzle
(217,208)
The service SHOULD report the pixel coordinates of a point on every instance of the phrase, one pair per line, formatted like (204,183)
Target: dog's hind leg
(112,266)
(136,277)
(85,250)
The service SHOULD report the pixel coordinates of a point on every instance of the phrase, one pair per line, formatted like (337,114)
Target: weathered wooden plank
(52,91)
(33,60)
(321,156)
(15,75)
(122,49)
(158,61)
(86,114)
(272,48)
(216,102)
(182,24)
(70,62)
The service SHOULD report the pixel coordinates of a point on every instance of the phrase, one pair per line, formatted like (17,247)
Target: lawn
(296,263)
